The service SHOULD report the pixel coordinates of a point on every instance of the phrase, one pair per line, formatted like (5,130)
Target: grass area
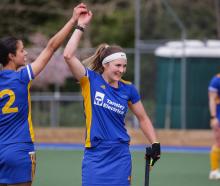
(55,168)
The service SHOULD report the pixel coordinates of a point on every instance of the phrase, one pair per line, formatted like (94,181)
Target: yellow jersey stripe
(85,85)
(29,114)
(125,82)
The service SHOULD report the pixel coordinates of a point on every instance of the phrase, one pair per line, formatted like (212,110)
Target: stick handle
(147,166)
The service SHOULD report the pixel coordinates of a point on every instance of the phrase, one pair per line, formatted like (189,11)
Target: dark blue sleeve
(26,74)
(134,97)
(214,84)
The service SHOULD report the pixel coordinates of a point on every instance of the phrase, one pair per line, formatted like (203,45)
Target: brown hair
(94,62)
(7,45)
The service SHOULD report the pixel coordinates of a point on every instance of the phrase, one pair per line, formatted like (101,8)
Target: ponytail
(94,62)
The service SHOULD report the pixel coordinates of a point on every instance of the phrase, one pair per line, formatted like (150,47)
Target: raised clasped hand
(84,19)
(78,10)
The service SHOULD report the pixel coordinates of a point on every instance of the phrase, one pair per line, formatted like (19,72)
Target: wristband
(79,28)
(212,117)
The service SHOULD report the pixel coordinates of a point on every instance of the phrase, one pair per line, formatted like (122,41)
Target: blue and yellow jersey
(105,108)
(15,106)
(214,86)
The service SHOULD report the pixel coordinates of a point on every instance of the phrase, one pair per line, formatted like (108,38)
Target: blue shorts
(107,164)
(17,163)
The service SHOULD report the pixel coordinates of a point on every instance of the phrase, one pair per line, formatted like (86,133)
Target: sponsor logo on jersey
(108,104)
(99,97)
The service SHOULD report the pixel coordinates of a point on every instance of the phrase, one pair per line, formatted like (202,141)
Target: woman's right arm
(57,40)
(76,67)
(212,108)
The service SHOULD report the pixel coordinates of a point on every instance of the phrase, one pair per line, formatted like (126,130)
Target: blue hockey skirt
(17,163)
(107,164)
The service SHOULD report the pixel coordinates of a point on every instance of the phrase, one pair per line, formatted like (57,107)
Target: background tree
(113,22)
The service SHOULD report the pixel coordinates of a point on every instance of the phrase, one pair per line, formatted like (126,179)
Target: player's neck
(111,82)
(10,66)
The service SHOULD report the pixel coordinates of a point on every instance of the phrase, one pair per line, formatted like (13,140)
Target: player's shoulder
(8,74)
(91,73)
(216,78)
(215,82)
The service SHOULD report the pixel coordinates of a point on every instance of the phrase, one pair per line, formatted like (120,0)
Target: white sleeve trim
(29,72)
(87,72)
(211,89)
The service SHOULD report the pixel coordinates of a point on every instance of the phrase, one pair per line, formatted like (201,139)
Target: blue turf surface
(64,146)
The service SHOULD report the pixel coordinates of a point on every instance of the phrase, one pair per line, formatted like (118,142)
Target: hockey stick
(147,165)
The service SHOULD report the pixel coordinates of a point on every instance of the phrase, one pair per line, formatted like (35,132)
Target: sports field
(63,167)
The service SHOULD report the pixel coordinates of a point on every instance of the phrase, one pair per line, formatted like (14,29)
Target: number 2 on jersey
(7,108)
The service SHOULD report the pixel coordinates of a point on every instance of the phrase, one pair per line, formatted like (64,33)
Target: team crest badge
(103,86)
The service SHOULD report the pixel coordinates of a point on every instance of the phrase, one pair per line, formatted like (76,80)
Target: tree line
(113,19)
(113,22)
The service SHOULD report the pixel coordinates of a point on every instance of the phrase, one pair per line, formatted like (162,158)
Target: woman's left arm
(148,130)
(144,120)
